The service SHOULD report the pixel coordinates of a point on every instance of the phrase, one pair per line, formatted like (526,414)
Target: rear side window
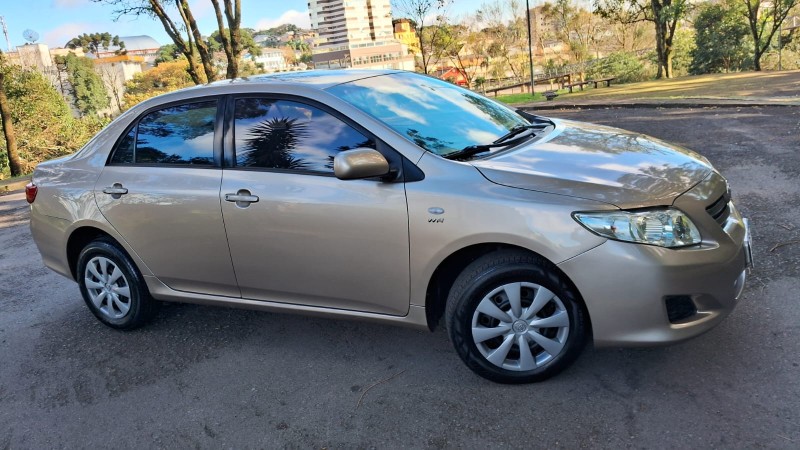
(178,135)
(282,134)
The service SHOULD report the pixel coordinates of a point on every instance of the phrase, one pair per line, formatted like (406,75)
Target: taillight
(30,192)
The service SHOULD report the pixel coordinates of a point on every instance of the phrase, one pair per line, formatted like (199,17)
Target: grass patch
(775,86)
(734,86)
(520,98)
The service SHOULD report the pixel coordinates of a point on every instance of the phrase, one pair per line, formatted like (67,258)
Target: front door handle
(242,198)
(116,190)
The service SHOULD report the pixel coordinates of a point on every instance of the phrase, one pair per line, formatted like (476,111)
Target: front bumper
(625,286)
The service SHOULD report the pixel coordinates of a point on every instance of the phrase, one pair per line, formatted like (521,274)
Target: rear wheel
(514,319)
(112,287)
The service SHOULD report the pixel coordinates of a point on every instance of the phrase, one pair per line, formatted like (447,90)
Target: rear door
(297,234)
(160,191)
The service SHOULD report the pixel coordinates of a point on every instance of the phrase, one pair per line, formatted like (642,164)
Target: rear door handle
(115,190)
(242,198)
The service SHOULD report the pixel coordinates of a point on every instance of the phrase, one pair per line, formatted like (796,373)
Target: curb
(552,106)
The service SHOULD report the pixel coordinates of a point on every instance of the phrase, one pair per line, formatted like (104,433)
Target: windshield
(436,115)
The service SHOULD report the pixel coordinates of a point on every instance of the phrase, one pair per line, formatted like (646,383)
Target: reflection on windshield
(437,116)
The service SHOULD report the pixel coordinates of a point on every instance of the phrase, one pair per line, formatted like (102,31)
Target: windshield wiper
(503,141)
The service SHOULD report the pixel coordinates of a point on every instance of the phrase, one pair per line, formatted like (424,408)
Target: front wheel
(112,287)
(513,318)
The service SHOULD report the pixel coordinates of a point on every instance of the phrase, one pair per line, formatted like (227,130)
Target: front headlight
(667,227)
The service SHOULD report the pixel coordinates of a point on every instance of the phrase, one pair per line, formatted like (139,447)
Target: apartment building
(356,33)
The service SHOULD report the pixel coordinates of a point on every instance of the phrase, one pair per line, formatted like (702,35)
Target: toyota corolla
(395,197)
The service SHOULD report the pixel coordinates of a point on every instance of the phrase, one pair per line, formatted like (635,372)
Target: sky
(58,21)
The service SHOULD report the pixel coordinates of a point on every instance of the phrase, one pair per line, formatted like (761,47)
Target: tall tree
(664,14)
(190,46)
(506,26)
(94,42)
(765,19)
(8,126)
(88,89)
(429,18)
(721,37)
(247,41)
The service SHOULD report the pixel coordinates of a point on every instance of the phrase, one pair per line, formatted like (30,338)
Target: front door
(299,235)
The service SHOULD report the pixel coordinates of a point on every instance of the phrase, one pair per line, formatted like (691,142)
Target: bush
(44,125)
(625,67)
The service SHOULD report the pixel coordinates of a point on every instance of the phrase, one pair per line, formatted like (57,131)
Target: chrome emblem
(436,210)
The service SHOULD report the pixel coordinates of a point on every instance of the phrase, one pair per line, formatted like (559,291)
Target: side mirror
(359,163)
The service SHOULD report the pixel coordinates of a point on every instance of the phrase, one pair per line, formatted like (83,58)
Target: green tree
(722,39)
(167,53)
(765,20)
(625,67)
(88,89)
(665,15)
(94,42)
(215,41)
(429,18)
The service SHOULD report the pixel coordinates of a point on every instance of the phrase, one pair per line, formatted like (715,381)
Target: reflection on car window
(124,152)
(437,116)
(281,134)
(177,135)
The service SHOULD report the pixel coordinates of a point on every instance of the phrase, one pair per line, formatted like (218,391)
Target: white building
(272,59)
(356,33)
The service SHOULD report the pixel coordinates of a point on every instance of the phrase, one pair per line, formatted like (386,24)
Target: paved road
(214,377)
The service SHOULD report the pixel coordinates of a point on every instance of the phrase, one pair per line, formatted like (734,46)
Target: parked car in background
(395,197)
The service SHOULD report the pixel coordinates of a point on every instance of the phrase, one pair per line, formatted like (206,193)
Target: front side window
(178,135)
(282,134)
(437,116)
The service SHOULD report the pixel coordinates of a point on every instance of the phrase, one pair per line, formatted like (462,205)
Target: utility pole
(5,31)
(530,42)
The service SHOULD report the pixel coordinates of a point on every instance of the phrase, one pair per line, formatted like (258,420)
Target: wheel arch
(80,237)
(447,271)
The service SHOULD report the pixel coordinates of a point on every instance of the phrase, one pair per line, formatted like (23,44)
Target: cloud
(69,3)
(59,36)
(299,18)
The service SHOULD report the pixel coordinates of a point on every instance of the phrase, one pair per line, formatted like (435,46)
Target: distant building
(451,74)
(32,56)
(356,33)
(115,71)
(142,45)
(405,33)
(272,59)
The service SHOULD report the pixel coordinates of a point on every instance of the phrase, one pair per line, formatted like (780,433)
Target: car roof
(296,81)
(321,79)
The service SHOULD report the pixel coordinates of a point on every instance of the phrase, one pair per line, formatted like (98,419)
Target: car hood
(594,162)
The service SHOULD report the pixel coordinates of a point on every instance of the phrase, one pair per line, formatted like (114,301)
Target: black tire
(503,268)
(141,307)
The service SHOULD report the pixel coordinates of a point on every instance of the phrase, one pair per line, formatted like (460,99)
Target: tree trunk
(233,67)
(174,33)
(202,48)
(233,14)
(8,129)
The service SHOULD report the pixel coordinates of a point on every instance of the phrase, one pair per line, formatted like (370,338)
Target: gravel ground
(216,377)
